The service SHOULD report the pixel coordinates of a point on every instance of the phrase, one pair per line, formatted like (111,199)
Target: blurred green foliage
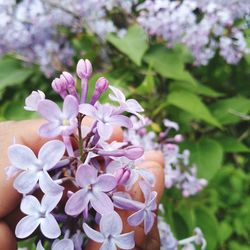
(210,103)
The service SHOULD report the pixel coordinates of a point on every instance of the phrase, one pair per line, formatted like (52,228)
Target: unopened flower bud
(59,86)
(102,84)
(84,69)
(178,138)
(69,80)
(122,175)
(133,152)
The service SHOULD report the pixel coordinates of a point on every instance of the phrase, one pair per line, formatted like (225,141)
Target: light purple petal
(50,130)
(88,109)
(77,202)
(105,183)
(148,222)
(86,175)
(146,190)
(104,130)
(11,171)
(21,156)
(49,110)
(134,106)
(65,244)
(101,203)
(49,202)
(125,241)
(25,181)
(108,245)
(121,120)
(111,224)
(147,176)
(153,203)
(93,234)
(50,227)
(39,246)
(70,107)
(47,185)
(119,96)
(136,218)
(26,226)
(30,205)
(51,153)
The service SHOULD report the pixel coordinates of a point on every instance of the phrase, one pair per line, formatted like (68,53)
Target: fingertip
(117,134)
(7,238)
(154,155)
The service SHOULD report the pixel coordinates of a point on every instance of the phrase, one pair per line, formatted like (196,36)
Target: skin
(25,132)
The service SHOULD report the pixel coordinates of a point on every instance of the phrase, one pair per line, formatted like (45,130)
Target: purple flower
(93,190)
(32,101)
(130,105)
(38,214)
(35,168)
(59,122)
(110,233)
(66,244)
(144,210)
(84,69)
(105,118)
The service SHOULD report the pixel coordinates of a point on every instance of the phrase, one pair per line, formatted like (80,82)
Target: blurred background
(187,61)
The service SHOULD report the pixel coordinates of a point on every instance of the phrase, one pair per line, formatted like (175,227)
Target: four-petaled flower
(35,168)
(59,122)
(38,214)
(110,233)
(93,190)
(105,118)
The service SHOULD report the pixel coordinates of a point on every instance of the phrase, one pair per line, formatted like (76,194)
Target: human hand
(25,132)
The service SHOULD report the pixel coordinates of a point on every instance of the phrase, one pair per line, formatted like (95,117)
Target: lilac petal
(101,203)
(125,241)
(26,226)
(49,110)
(134,106)
(21,156)
(121,120)
(50,227)
(88,109)
(104,130)
(39,246)
(136,218)
(111,224)
(65,244)
(11,171)
(93,234)
(26,181)
(146,190)
(30,205)
(51,153)
(77,202)
(148,222)
(132,180)
(49,202)
(147,176)
(47,185)
(108,245)
(152,203)
(70,107)
(118,95)
(86,175)
(50,129)
(105,183)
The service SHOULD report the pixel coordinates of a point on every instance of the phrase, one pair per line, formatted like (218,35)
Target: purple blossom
(110,233)
(38,214)
(59,122)
(32,101)
(105,118)
(65,244)
(34,168)
(93,190)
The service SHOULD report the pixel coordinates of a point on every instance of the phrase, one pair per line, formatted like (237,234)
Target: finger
(25,132)
(7,239)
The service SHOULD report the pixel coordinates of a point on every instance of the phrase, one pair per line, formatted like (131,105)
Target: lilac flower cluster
(177,171)
(30,28)
(83,176)
(204,26)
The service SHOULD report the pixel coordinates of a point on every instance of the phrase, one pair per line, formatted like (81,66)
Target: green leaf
(133,44)
(193,104)
(195,88)
(147,86)
(228,111)
(209,226)
(168,63)
(207,154)
(232,145)
(225,231)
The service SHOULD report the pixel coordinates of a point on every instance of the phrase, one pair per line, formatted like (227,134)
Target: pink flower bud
(102,84)
(68,79)
(133,152)
(122,175)
(58,85)
(178,138)
(84,69)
